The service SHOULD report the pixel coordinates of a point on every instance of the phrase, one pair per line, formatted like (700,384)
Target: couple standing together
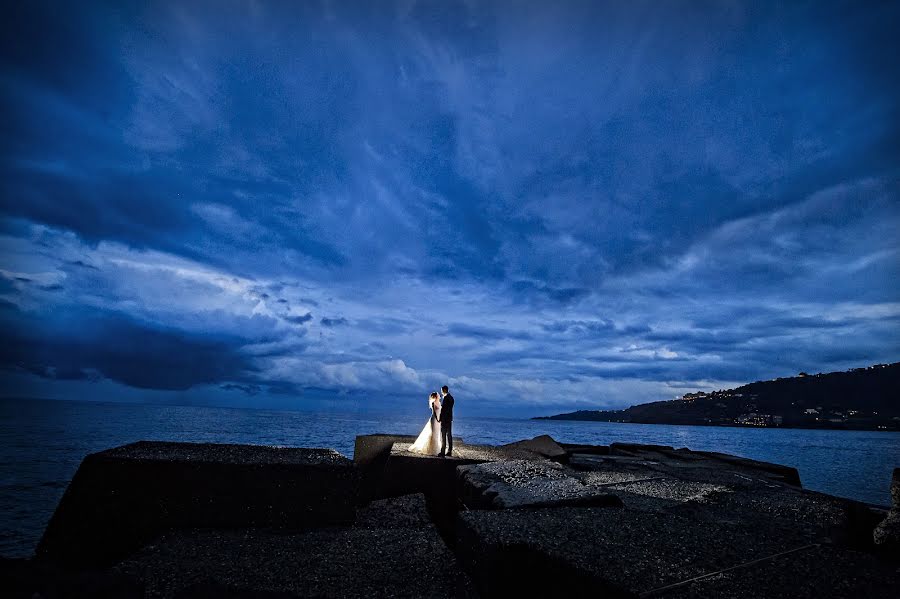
(437,436)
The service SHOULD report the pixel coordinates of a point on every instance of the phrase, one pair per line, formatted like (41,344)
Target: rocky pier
(535,517)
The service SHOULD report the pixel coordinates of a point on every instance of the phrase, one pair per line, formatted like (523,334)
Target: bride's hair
(432,397)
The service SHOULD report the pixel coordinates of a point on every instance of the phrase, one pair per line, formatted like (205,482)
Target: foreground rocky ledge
(122,498)
(533,517)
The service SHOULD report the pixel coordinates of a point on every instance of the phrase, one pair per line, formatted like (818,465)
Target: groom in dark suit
(446,420)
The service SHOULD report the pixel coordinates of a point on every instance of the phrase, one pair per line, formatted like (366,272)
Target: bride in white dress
(429,440)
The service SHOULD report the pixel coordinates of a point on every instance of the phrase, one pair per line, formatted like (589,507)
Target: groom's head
(445,390)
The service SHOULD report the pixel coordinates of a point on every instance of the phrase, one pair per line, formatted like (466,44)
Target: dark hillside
(862,398)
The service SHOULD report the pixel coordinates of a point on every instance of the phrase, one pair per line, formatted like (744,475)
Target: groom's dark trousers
(446,437)
(447,425)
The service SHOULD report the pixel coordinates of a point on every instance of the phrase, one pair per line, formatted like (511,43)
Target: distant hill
(861,398)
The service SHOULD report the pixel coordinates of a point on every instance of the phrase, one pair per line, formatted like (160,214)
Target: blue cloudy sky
(547,205)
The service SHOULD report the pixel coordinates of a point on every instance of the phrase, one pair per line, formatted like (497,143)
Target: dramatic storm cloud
(544,205)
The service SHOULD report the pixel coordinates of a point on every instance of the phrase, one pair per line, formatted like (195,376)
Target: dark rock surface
(813,572)
(123,497)
(222,453)
(630,448)
(886,535)
(542,445)
(406,511)
(630,552)
(776,472)
(572,448)
(30,579)
(392,551)
(895,489)
(685,517)
(370,456)
(527,483)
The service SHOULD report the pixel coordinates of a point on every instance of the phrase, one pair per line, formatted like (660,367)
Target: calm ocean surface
(42,443)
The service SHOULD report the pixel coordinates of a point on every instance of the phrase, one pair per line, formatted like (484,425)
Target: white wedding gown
(429,440)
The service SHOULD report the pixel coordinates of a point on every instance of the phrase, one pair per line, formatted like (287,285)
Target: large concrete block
(123,497)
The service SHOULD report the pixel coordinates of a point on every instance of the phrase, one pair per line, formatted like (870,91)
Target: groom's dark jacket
(447,409)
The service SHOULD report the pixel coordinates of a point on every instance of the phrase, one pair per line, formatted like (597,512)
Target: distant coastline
(856,399)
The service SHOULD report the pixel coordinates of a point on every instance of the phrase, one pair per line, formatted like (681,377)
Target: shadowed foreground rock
(527,519)
(690,525)
(887,533)
(121,498)
(543,445)
(392,550)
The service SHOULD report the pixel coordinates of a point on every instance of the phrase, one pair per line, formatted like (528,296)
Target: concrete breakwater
(204,520)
